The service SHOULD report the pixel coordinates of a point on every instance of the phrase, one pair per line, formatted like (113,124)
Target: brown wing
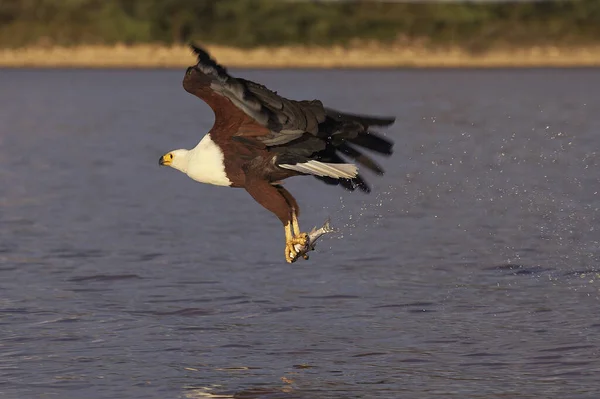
(245,108)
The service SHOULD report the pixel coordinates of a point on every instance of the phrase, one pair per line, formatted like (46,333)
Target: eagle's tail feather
(316,168)
(350,184)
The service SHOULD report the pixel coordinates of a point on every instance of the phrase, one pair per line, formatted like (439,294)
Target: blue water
(471,271)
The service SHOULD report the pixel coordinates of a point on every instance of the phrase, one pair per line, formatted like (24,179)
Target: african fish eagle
(260,138)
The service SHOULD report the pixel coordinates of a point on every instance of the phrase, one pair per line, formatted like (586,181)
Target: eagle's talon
(301,239)
(291,253)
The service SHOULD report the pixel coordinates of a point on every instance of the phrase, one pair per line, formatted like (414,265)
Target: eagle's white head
(177,159)
(203,163)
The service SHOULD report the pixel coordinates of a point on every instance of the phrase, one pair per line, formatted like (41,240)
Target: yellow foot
(291,253)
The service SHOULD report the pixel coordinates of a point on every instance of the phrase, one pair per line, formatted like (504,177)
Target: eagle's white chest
(206,163)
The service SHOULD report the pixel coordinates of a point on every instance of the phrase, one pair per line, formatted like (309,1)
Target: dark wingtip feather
(328,180)
(204,58)
(374,142)
(201,54)
(361,158)
(348,184)
(380,121)
(362,119)
(361,184)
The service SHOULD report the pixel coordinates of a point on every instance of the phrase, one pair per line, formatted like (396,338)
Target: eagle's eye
(170,156)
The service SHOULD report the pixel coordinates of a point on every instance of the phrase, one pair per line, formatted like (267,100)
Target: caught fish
(313,236)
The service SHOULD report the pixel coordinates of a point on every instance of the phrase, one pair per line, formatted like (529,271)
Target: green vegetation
(246,23)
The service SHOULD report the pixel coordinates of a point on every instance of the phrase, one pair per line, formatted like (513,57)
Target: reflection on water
(285,392)
(471,271)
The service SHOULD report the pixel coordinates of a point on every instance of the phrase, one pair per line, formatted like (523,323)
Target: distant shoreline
(363,56)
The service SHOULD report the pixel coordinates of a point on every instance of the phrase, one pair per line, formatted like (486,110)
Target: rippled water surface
(471,271)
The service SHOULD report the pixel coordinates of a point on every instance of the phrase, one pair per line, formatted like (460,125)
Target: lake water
(471,271)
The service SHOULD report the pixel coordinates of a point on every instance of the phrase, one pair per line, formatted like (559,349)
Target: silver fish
(313,236)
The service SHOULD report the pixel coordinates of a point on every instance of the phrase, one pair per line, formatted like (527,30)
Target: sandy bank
(154,56)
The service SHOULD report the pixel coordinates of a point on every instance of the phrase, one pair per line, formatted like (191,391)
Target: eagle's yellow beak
(166,159)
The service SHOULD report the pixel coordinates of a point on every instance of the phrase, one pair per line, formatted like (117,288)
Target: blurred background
(474,25)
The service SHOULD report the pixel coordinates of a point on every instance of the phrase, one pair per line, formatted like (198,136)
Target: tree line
(248,23)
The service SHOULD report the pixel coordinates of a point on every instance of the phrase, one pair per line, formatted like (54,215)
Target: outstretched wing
(258,111)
